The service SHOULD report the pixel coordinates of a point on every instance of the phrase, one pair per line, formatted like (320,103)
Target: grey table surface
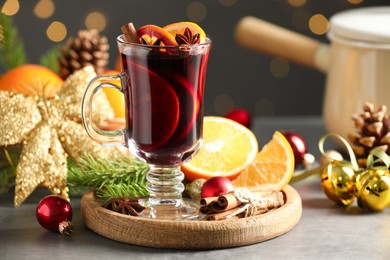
(325,231)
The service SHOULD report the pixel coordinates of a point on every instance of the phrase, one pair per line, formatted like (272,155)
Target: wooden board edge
(192,234)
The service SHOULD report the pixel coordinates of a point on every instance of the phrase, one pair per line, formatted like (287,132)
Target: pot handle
(264,37)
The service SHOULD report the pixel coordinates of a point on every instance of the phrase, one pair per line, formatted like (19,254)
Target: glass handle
(106,138)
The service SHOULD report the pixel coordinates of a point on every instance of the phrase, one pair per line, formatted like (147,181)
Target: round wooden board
(192,234)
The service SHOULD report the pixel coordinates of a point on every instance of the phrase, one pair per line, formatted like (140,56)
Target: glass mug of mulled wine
(163,88)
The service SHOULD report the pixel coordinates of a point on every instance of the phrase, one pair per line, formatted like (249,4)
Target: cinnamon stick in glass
(130,33)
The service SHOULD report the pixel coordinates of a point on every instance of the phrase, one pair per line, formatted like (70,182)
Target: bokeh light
(319,24)
(196,12)
(10,7)
(95,20)
(227,2)
(264,107)
(355,2)
(297,3)
(222,104)
(279,67)
(44,9)
(56,31)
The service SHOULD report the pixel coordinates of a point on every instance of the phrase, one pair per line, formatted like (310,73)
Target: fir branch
(12,52)
(8,163)
(50,58)
(109,177)
(7,179)
(122,190)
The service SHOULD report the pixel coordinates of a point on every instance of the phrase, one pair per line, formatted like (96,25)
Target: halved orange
(179,28)
(150,33)
(272,169)
(228,148)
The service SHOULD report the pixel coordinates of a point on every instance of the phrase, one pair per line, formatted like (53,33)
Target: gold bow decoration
(50,129)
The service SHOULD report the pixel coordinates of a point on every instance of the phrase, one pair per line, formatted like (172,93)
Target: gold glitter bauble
(50,129)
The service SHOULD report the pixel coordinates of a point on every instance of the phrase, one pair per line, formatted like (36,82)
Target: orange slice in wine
(151,33)
(155,107)
(180,27)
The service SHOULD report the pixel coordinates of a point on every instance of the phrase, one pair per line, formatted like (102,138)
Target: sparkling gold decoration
(12,128)
(71,95)
(373,189)
(337,181)
(195,188)
(49,130)
(343,181)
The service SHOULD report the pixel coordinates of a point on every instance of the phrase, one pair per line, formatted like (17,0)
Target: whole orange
(31,80)
(114,96)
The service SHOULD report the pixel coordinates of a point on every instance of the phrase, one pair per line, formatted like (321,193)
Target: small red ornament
(298,145)
(55,213)
(241,116)
(216,186)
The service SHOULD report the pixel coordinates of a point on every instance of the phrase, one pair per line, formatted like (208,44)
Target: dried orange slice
(228,148)
(151,33)
(179,28)
(273,167)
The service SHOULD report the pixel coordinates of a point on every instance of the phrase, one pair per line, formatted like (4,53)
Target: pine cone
(88,48)
(372,132)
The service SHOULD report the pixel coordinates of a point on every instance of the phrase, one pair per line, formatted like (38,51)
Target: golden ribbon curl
(50,129)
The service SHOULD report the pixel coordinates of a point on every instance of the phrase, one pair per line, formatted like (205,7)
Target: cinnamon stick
(229,201)
(238,209)
(225,202)
(130,33)
(207,201)
(205,210)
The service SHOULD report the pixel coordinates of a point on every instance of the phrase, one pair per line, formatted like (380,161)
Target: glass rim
(122,41)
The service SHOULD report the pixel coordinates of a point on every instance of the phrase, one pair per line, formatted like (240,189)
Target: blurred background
(264,86)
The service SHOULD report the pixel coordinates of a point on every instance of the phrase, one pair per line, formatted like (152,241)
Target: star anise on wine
(155,43)
(187,37)
(125,206)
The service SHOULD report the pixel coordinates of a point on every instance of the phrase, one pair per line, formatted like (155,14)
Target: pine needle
(12,52)
(50,58)
(122,190)
(110,178)
(7,179)
(8,157)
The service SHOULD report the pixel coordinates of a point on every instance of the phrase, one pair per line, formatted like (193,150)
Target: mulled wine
(164,102)
(163,77)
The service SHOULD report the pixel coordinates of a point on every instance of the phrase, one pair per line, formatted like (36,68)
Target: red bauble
(241,116)
(298,145)
(216,186)
(55,213)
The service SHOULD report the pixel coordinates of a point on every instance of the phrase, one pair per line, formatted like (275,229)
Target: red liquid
(164,103)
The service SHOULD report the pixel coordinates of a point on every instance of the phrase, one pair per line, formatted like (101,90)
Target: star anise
(155,43)
(124,206)
(187,37)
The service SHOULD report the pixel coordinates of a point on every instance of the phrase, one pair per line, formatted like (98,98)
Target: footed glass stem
(165,200)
